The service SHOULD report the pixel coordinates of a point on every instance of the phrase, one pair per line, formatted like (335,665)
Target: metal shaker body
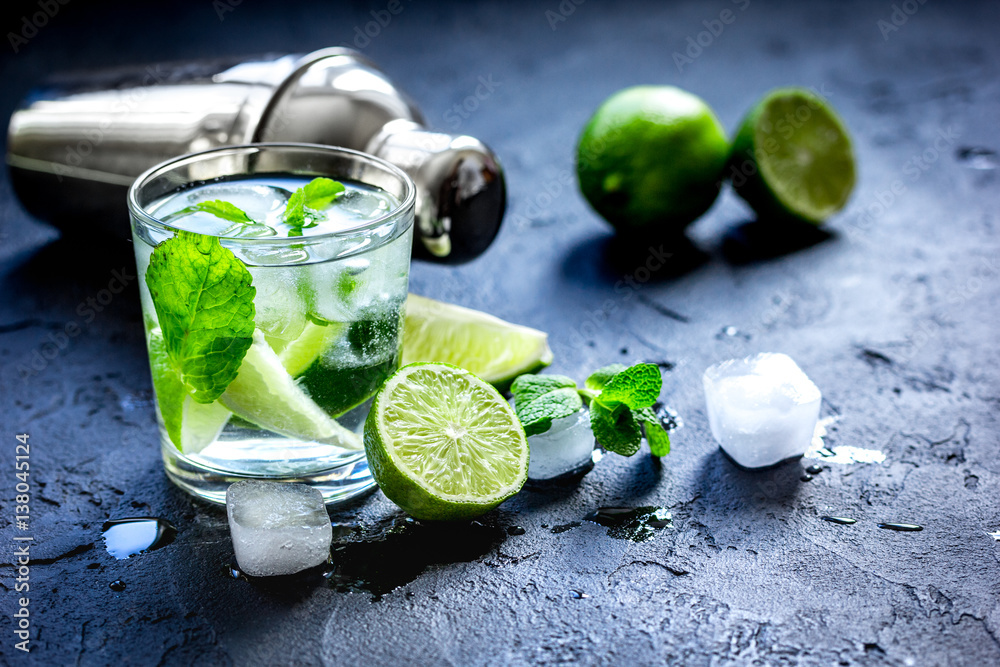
(76,145)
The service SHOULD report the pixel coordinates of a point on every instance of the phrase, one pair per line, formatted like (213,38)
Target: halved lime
(265,394)
(495,350)
(442,444)
(792,157)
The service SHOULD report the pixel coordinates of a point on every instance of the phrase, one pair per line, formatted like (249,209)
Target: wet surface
(636,524)
(129,537)
(892,309)
(379,558)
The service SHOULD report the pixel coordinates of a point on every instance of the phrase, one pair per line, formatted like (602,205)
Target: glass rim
(407,202)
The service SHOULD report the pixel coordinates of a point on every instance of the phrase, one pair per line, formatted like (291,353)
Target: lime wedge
(265,394)
(314,340)
(495,350)
(792,157)
(442,444)
(191,426)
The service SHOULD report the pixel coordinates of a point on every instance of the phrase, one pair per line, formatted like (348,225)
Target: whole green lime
(650,159)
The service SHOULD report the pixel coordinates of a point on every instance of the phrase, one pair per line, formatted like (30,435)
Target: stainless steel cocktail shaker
(76,144)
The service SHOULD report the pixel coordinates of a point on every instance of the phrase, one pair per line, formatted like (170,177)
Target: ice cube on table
(277,528)
(567,446)
(762,409)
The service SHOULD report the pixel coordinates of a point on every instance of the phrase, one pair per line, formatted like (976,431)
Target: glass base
(349,477)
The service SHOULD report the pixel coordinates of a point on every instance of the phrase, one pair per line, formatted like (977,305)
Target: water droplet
(902,527)
(995,536)
(515,530)
(669,419)
(976,157)
(731,332)
(128,537)
(841,520)
(564,527)
(234,571)
(117,585)
(631,523)
(578,595)
(806,478)
(814,469)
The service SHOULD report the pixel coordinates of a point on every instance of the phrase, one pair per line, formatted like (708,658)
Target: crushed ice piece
(762,409)
(566,447)
(277,528)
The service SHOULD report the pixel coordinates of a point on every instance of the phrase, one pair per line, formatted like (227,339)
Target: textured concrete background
(894,316)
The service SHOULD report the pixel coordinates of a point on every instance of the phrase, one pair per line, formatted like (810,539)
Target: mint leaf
(527,388)
(538,415)
(203,296)
(616,429)
(637,387)
(302,210)
(319,192)
(295,213)
(218,208)
(540,399)
(656,435)
(600,377)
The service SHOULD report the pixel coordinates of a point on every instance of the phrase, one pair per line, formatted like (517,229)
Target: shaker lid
(461,192)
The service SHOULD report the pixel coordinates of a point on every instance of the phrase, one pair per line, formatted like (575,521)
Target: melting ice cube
(762,409)
(566,447)
(277,528)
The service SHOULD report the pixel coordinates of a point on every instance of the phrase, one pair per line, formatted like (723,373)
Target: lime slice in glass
(191,426)
(264,394)
(442,444)
(792,157)
(314,340)
(494,350)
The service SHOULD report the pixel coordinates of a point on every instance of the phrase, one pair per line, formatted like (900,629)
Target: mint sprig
(203,297)
(218,208)
(620,400)
(302,211)
(303,208)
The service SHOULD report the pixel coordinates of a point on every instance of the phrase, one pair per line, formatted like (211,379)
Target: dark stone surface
(894,315)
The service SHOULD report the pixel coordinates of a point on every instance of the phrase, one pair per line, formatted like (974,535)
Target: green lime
(314,340)
(650,159)
(265,394)
(442,444)
(191,426)
(494,350)
(792,157)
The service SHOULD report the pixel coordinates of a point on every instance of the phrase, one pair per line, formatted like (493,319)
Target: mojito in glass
(273,280)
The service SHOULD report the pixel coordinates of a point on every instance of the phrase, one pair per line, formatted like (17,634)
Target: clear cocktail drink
(273,283)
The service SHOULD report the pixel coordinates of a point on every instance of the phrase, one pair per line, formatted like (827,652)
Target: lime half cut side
(792,157)
(264,394)
(494,350)
(443,444)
